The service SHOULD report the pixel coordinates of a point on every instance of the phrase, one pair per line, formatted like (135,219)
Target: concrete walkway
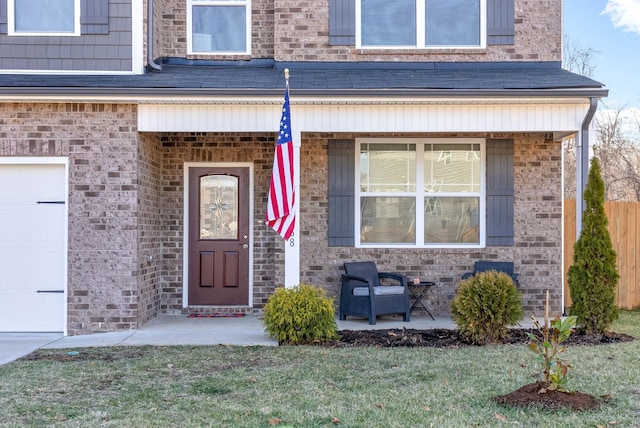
(182,330)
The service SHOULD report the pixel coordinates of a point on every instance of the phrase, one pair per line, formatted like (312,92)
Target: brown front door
(219,236)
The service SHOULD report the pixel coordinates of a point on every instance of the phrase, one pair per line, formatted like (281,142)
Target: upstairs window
(43,17)
(219,26)
(421,192)
(421,23)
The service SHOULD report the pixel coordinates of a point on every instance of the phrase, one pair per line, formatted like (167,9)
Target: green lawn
(307,386)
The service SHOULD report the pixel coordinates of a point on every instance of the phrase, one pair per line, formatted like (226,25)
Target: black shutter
(341,192)
(500,22)
(342,22)
(500,192)
(3,17)
(94,17)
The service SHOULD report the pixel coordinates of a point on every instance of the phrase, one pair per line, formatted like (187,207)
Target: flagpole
(292,245)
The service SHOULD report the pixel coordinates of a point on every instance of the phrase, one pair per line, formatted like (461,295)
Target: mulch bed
(443,338)
(537,394)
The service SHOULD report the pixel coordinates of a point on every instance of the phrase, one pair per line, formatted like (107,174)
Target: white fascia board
(272,100)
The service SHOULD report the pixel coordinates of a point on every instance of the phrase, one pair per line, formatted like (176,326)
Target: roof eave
(140,94)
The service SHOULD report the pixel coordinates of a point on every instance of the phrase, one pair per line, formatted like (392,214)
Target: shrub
(485,305)
(548,349)
(593,277)
(300,315)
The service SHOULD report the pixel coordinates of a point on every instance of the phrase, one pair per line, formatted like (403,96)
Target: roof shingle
(320,77)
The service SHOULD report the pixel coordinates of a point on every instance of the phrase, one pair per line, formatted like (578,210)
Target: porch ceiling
(560,118)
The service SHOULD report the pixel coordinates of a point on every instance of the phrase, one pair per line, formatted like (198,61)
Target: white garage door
(32,248)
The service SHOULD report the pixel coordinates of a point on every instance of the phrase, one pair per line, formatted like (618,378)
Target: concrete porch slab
(181,330)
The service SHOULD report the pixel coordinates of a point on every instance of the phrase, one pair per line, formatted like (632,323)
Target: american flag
(281,215)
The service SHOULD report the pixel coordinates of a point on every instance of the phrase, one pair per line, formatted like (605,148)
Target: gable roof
(266,78)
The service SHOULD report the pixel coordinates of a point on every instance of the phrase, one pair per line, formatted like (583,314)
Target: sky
(612,29)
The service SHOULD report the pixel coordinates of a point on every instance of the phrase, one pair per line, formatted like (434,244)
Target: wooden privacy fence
(624,228)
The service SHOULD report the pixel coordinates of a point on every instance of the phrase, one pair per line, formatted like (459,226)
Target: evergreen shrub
(485,306)
(593,277)
(300,315)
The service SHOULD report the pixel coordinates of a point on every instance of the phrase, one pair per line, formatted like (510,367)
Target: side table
(418,292)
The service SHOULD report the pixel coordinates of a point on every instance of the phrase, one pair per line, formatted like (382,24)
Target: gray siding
(105,44)
(341,193)
(500,192)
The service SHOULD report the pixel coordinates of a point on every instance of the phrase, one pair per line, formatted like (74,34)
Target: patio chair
(363,294)
(484,266)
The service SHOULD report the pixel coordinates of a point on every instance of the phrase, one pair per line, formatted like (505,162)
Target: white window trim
(191,3)
(419,194)
(420,30)
(11,23)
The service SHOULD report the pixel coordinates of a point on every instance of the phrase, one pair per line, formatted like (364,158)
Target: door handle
(245,246)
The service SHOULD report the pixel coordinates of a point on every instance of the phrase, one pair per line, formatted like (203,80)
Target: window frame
(237,3)
(11,23)
(420,194)
(421,31)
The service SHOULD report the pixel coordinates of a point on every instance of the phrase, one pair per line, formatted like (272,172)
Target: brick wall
(127,196)
(101,143)
(150,230)
(179,148)
(537,252)
(295,30)
(173,31)
(103,151)
(538,221)
(302,28)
